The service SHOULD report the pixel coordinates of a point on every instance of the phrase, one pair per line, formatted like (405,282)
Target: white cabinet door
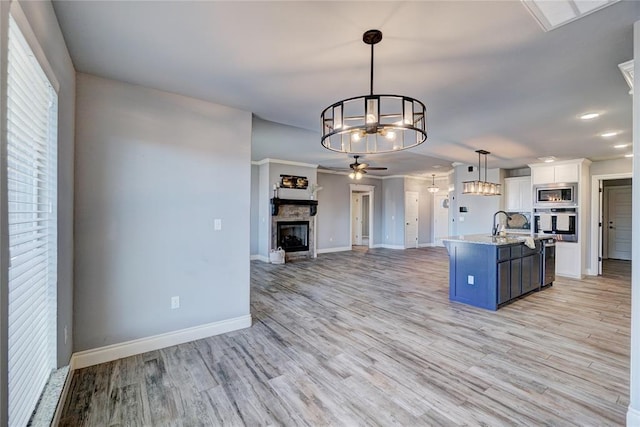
(543,175)
(526,195)
(568,259)
(517,193)
(512,194)
(555,174)
(566,173)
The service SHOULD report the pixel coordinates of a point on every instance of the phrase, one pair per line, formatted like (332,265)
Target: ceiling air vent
(627,71)
(552,14)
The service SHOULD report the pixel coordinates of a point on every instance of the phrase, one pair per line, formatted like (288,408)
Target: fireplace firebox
(293,236)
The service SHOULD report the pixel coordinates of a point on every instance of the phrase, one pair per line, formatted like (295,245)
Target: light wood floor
(370,338)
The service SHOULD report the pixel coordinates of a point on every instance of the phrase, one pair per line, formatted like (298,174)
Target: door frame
(595,265)
(364,189)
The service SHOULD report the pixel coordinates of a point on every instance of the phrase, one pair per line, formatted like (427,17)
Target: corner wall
(153,171)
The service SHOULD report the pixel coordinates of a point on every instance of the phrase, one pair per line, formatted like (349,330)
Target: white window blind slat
(32,195)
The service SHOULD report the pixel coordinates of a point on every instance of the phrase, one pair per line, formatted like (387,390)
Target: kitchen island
(491,271)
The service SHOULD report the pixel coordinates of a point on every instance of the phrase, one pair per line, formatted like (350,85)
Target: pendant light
(482,188)
(433,188)
(371,123)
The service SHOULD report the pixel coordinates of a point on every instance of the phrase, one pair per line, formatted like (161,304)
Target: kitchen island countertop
(487,239)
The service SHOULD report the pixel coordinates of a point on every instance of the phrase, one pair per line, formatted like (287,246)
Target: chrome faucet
(494,230)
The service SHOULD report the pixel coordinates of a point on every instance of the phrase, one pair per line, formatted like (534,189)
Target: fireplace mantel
(276,203)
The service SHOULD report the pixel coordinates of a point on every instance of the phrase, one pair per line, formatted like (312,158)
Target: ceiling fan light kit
(371,123)
(479,187)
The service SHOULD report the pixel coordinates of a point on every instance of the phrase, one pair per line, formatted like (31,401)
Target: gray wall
(333,217)
(264,211)
(255,211)
(604,167)
(153,171)
(479,217)
(393,211)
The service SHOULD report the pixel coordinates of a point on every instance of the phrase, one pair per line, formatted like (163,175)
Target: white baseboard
(109,353)
(633,417)
(337,249)
(63,398)
(385,246)
(426,245)
(259,258)
(571,276)
(591,272)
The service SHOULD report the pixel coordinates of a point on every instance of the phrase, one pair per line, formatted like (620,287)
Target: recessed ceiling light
(589,116)
(609,134)
(628,155)
(437,166)
(621,146)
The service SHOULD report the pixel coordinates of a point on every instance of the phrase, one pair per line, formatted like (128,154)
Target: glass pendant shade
(479,187)
(433,188)
(371,123)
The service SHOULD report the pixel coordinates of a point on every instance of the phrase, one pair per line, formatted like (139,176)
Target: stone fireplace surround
(294,210)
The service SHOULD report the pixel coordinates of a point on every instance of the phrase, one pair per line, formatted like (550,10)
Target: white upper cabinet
(518,195)
(551,174)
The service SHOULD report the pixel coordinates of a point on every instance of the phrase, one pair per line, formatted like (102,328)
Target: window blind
(32,111)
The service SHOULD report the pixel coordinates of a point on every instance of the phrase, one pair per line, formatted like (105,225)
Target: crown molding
(283,162)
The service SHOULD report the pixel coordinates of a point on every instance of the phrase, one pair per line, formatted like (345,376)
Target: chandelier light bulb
(352,175)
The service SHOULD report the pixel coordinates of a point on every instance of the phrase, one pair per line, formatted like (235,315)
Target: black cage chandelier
(371,123)
(481,188)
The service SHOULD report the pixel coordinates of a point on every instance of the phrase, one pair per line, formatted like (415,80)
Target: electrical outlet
(175,303)
(470,280)
(461,219)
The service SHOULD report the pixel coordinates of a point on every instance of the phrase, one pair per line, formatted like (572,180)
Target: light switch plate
(470,280)
(217,224)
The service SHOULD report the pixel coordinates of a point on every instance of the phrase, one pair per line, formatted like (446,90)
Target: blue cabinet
(488,276)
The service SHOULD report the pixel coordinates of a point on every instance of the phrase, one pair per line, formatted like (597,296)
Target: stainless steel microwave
(550,195)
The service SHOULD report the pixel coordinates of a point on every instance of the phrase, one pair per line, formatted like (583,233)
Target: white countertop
(487,239)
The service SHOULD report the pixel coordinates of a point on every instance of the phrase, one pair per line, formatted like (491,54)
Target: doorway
(361,216)
(616,239)
(610,219)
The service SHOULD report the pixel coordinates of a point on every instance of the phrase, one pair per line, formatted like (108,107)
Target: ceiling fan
(358,169)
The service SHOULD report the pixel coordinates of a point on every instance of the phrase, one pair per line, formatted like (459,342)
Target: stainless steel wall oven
(560,223)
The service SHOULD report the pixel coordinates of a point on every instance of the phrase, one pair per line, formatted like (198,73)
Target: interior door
(356,219)
(440,218)
(411,219)
(365,219)
(619,222)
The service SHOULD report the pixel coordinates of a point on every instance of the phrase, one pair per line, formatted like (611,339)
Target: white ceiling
(490,77)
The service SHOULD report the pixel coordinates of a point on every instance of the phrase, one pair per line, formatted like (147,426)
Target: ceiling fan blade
(328,168)
(376,169)
(361,165)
